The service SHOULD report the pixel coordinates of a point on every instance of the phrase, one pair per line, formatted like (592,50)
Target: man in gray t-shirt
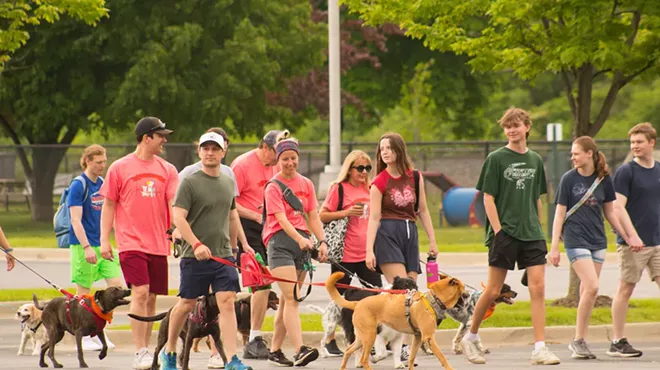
(205,215)
(190,169)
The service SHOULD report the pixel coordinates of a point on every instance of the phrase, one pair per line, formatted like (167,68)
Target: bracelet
(86,246)
(323,241)
(197,245)
(9,250)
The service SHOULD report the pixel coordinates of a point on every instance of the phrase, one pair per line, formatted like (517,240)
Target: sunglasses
(161,126)
(362,168)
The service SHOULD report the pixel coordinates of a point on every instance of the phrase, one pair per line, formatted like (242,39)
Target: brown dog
(62,315)
(390,309)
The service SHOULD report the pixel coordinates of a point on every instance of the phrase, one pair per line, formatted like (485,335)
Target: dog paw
(57,366)
(19,353)
(458,350)
(84,365)
(43,364)
(103,354)
(399,366)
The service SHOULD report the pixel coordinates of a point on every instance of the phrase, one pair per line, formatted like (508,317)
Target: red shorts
(145,269)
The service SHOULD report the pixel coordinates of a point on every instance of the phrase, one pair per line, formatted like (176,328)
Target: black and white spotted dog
(334,316)
(464,310)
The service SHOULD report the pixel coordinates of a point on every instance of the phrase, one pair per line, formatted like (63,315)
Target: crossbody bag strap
(585,197)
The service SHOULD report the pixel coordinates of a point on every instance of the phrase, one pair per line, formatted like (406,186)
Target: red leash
(339,285)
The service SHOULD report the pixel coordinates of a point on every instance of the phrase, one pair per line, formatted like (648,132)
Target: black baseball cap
(151,124)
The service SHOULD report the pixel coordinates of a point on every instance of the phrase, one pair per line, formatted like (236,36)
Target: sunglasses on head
(161,126)
(362,168)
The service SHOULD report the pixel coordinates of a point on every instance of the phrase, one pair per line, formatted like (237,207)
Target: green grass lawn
(517,315)
(44,294)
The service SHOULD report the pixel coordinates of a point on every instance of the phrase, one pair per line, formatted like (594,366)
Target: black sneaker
(277,358)
(256,349)
(305,356)
(405,354)
(623,349)
(331,350)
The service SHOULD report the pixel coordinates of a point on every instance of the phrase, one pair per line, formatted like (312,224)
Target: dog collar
(34,330)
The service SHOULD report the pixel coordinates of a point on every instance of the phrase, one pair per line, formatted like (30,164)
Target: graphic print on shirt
(402,198)
(579,190)
(515,173)
(97,201)
(149,190)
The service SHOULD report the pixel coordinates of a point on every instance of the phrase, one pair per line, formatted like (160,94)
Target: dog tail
(316,308)
(158,317)
(330,286)
(36,302)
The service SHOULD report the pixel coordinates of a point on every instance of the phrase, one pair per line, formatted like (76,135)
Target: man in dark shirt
(637,185)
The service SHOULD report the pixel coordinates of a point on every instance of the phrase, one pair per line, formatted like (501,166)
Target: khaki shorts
(632,264)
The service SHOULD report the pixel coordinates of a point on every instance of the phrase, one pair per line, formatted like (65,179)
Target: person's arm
(4,243)
(202,252)
(557,226)
(107,219)
(375,202)
(491,213)
(425,217)
(539,206)
(76,213)
(236,233)
(611,215)
(249,214)
(288,228)
(635,243)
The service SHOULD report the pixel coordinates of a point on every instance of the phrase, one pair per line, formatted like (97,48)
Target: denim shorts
(574,254)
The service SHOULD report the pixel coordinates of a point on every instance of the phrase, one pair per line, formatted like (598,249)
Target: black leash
(351,274)
(34,272)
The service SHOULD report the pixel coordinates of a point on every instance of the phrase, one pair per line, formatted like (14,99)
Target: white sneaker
(472,351)
(543,356)
(91,344)
(143,359)
(215,362)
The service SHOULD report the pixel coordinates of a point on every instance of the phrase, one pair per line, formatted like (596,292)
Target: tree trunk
(45,162)
(585,86)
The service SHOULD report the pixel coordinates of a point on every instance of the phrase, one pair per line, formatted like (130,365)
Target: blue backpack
(62,217)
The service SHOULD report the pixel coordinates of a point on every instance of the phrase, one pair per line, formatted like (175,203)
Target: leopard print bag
(335,231)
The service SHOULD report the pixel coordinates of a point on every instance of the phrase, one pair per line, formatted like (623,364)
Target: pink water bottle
(431,270)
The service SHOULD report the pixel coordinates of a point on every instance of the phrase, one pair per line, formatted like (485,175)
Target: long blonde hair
(353,156)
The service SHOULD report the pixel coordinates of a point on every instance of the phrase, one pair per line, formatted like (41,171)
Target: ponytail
(600,164)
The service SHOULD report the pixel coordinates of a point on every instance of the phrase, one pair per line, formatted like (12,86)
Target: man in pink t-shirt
(138,191)
(252,170)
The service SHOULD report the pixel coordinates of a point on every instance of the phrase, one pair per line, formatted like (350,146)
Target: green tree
(193,63)
(582,41)
(18,16)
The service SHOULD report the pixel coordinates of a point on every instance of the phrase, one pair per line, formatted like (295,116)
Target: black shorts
(198,276)
(506,250)
(361,270)
(253,231)
(397,242)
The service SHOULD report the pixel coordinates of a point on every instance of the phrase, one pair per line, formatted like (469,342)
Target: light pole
(334,76)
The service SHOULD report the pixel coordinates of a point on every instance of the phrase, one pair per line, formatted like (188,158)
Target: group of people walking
(262,206)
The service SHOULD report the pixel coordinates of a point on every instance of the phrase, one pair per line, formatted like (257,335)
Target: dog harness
(432,304)
(34,330)
(100,318)
(198,318)
(491,308)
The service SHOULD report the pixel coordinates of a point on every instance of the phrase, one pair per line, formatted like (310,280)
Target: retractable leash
(351,274)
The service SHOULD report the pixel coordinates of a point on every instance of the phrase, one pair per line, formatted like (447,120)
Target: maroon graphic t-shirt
(398,195)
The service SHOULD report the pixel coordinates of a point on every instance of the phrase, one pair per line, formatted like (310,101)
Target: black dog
(200,323)
(63,314)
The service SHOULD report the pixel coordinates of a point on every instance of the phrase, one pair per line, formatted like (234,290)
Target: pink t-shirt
(355,241)
(142,191)
(303,188)
(251,176)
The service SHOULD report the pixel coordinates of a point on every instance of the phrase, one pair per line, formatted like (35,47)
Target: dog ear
(454,281)
(97,294)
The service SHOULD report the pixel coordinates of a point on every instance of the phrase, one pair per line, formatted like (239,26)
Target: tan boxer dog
(390,309)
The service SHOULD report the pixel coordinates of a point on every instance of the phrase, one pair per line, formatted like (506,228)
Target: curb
(449,258)
(492,337)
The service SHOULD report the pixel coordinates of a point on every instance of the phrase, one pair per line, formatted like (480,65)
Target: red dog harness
(100,318)
(197,317)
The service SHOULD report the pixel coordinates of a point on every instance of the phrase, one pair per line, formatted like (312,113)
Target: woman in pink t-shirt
(392,243)
(354,181)
(286,235)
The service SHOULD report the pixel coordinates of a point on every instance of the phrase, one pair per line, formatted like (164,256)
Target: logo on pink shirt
(149,191)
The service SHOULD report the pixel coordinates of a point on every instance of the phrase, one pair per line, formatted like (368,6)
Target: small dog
(32,328)
(464,310)
(200,323)
(243,318)
(390,309)
(334,316)
(62,315)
